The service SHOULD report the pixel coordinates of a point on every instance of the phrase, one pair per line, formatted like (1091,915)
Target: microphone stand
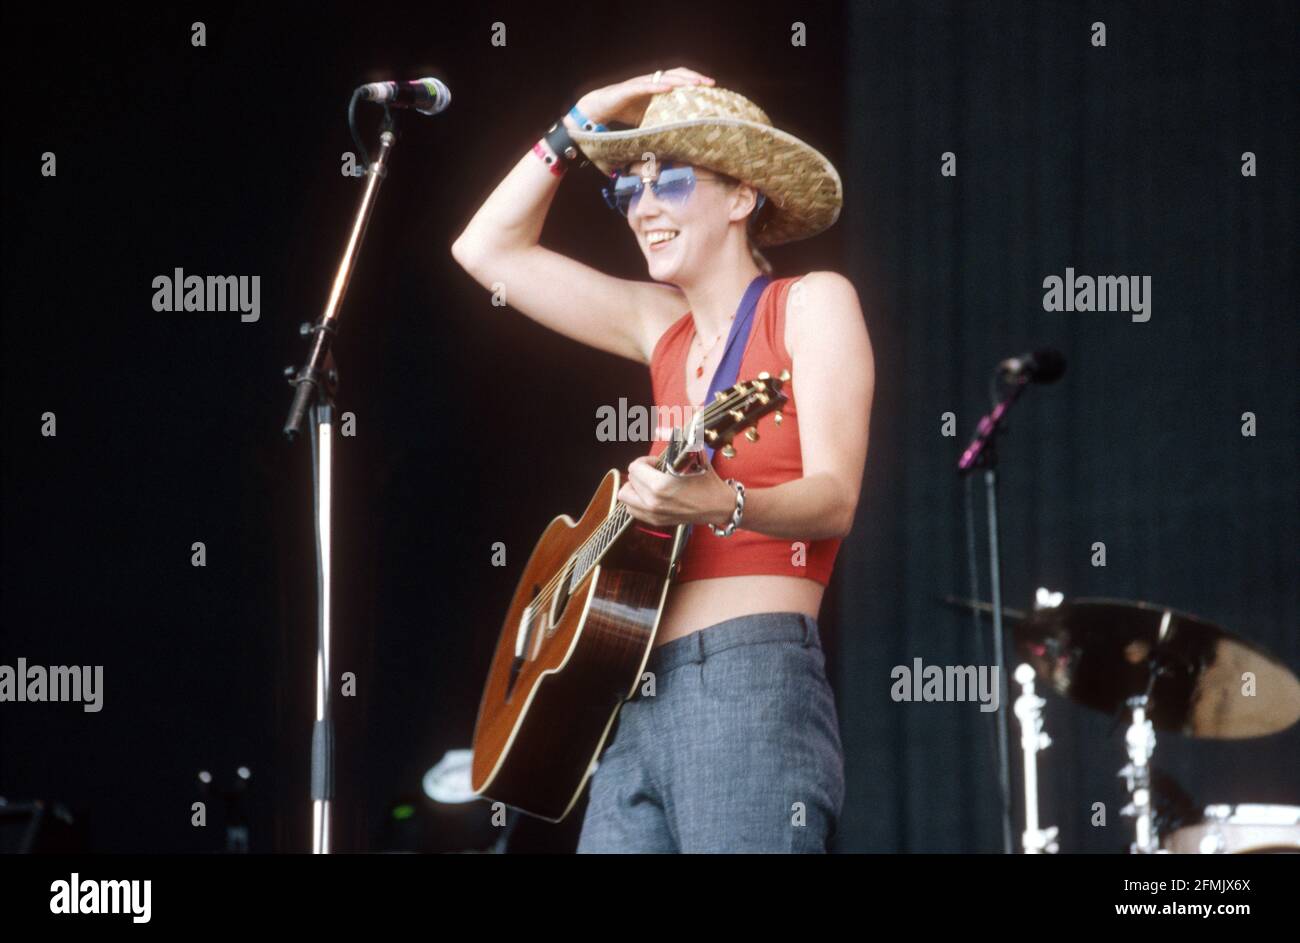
(982,453)
(314,388)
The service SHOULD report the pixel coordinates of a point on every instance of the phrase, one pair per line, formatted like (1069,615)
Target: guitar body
(564,665)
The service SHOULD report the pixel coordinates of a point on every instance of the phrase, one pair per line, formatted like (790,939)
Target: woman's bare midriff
(700,603)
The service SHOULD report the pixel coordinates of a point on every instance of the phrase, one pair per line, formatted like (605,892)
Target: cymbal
(1101,652)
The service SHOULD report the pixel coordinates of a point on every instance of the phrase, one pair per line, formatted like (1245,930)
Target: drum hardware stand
(314,387)
(1141,741)
(1029,711)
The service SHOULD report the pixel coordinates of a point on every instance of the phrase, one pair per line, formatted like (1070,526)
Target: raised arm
(500,246)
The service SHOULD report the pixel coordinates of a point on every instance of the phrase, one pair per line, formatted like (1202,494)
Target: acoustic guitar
(583,620)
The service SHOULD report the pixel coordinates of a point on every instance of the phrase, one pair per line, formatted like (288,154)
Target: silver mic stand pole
(314,388)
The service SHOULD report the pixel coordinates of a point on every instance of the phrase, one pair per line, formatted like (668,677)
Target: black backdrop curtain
(475,425)
(1117,160)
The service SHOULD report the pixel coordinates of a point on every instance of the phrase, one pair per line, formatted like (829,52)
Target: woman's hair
(760,260)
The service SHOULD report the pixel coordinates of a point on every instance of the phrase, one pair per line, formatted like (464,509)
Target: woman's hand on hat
(627,101)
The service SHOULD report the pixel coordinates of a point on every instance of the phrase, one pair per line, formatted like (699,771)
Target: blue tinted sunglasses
(674,186)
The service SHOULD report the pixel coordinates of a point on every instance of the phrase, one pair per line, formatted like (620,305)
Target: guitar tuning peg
(729,450)
(719,396)
(777,417)
(785,376)
(764,375)
(763,398)
(737,415)
(751,434)
(711,434)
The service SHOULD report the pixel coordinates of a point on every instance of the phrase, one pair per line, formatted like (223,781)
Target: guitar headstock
(740,408)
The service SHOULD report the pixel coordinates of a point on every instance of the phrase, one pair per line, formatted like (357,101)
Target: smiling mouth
(661,237)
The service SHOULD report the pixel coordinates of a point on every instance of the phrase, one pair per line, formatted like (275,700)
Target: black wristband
(558,140)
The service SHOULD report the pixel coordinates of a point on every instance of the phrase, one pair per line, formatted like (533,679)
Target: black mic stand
(982,453)
(314,388)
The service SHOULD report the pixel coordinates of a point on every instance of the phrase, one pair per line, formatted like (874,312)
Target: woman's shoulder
(820,286)
(825,297)
(821,281)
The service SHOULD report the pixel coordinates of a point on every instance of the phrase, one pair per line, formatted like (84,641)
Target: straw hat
(715,128)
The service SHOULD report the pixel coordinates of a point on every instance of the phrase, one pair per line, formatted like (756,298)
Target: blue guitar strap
(729,367)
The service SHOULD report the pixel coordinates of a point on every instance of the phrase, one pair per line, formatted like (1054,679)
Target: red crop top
(774,459)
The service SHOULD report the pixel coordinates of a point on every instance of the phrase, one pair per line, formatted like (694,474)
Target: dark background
(475,425)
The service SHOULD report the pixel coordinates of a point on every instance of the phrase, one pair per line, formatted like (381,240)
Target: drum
(1239,830)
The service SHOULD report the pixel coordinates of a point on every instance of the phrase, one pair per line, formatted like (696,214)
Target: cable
(352,126)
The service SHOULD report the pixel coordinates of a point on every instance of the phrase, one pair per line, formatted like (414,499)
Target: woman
(735,745)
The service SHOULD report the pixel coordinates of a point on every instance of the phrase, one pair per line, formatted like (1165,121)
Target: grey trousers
(736,750)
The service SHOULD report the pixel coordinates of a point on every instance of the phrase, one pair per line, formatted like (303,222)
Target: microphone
(427,96)
(1038,366)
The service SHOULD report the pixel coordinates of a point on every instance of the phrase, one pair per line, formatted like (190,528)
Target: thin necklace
(699,370)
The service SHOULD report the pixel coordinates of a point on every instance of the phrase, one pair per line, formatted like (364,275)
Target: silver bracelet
(736,515)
